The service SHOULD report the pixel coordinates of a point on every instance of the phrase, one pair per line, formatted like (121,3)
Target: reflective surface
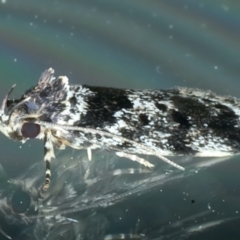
(106,197)
(129,44)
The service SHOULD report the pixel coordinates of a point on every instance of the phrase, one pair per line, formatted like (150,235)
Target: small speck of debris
(192,201)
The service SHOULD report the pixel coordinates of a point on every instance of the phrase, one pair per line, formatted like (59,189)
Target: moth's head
(19,118)
(14,125)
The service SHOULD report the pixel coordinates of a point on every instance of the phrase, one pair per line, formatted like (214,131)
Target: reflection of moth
(80,203)
(130,122)
(97,200)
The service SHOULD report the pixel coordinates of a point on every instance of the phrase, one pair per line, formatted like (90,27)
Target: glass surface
(128,44)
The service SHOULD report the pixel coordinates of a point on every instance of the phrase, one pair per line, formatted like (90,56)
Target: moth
(161,123)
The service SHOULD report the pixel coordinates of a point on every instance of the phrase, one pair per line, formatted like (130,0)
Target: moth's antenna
(4,102)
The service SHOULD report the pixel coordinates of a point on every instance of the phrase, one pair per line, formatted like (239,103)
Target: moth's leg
(89,153)
(135,158)
(48,155)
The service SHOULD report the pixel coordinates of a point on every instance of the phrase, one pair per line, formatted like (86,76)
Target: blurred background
(128,44)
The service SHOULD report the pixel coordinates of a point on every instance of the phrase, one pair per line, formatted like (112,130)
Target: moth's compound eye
(30,130)
(20,202)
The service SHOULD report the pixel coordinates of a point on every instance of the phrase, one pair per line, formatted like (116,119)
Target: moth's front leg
(48,155)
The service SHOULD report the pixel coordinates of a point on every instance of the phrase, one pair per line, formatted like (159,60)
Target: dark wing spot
(45,92)
(124,145)
(58,106)
(226,111)
(143,119)
(180,118)
(30,130)
(178,144)
(161,107)
(127,133)
(112,99)
(72,110)
(102,106)
(191,107)
(225,120)
(73,101)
